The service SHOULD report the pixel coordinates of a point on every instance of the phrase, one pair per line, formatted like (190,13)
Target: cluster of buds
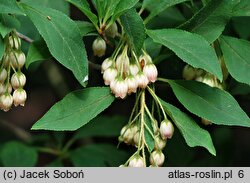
(125,75)
(13,59)
(131,135)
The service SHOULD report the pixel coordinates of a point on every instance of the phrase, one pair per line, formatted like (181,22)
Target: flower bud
(209,81)
(3,88)
(6,101)
(18,80)
(132,84)
(17,59)
(3,75)
(188,72)
(106,64)
(137,138)
(151,72)
(166,129)
(112,30)
(127,135)
(136,162)
(155,126)
(19,97)
(160,143)
(15,42)
(206,122)
(133,69)
(99,47)
(109,75)
(157,158)
(119,88)
(122,62)
(145,58)
(142,80)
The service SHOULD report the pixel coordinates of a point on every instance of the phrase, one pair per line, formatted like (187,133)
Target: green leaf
(153,48)
(158,6)
(10,6)
(98,155)
(85,27)
(102,126)
(242,8)
(150,143)
(213,104)
(76,109)
(7,24)
(84,7)
(60,5)
(62,37)
(237,57)
(16,154)
(191,48)
(193,134)
(211,20)
(38,51)
(134,28)
(1,48)
(122,7)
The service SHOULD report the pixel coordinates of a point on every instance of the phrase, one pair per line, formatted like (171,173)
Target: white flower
(17,59)
(133,69)
(18,80)
(151,72)
(160,143)
(132,84)
(109,75)
(3,88)
(136,162)
(3,75)
(122,62)
(99,47)
(6,101)
(166,129)
(137,138)
(157,158)
(19,97)
(120,88)
(106,64)
(142,80)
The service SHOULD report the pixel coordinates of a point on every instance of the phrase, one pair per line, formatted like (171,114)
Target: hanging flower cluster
(11,76)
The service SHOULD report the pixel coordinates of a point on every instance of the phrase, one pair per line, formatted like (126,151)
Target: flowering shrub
(133,44)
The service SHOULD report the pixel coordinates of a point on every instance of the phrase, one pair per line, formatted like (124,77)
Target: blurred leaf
(157,6)
(239,24)
(75,110)
(153,48)
(211,20)
(242,8)
(85,27)
(98,155)
(1,47)
(16,154)
(62,37)
(240,89)
(191,48)
(213,104)
(84,7)
(237,57)
(134,28)
(60,5)
(102,126)
(55,163)
(38,51)
(7,24)
(192,133)
(150,143)
(10,6)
